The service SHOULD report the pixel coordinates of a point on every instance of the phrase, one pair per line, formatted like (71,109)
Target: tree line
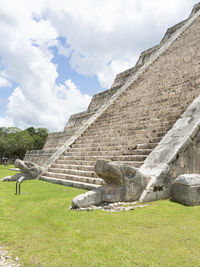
(14,142)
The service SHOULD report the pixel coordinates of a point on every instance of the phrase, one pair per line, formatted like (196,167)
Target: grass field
(39,228)
(4,171)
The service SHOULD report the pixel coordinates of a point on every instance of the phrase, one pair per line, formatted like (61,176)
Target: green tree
(15,142)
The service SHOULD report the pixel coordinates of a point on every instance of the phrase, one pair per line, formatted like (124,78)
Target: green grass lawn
(4,171)
(39,228)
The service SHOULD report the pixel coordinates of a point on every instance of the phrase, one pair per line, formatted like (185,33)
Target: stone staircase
(131,126)
(109,140)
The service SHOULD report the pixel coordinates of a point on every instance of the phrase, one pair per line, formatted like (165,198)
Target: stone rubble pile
(6,260)
(112,207)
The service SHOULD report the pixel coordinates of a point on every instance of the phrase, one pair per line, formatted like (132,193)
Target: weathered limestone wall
(188,161)
(38,156)
(55,140)
(76,120)
(99,99)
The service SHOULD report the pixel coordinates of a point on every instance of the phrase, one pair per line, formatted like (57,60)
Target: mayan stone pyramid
(148,119)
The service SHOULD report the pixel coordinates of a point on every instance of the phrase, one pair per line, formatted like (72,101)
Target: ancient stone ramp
(144,122)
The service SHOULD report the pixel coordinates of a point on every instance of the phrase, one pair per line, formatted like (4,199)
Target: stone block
(186,189)
(92,197)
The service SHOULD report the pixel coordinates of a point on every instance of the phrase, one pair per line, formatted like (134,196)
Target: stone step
(134,134)
(74,167)
(104,153)
(113,158)
(133,124)
(72,177)
(111,149)
(70,183)
(75,162)
(136,129)
(125,121)
(90,174)
(136,164)
(132,130)
(117,140)
(114,144)
(142,108)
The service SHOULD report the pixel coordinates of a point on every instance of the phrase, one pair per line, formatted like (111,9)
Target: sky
(56,54)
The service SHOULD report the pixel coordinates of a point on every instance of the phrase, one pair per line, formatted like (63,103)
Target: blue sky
(54,55)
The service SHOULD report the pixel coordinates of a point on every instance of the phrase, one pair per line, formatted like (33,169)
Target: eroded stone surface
(186,189)
(92,197)
(188,179)
(128,178)
(124,183)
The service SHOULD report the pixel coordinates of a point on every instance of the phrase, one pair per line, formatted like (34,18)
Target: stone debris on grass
(6,179)
(7,260)
(112,207)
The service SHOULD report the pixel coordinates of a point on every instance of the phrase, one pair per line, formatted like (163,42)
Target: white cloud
(26,55)
(51,111)
(103,38)
(6,122)
(4,82)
